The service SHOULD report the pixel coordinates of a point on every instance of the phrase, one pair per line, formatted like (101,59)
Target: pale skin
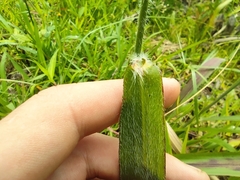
(53,135)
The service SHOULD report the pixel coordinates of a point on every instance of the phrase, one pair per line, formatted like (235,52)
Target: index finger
(43,131)
(94,106)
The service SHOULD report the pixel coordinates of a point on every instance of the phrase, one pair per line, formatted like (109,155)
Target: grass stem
(141,24)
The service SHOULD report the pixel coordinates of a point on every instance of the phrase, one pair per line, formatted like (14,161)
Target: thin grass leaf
(233,86)
(82,40)
(32,28)
(235,118)
(52,66)
(195,99)
(16,81)
(28,49)
(19,68)
(221,143)
(184,146)
(7,42)
(3,72)
(43,69)
(89,55)
(217,10)
(235,11)
(28,10)
(170,56)
(219,164)
(5,24)
(4,109)
(205,70)
(38,41)
(37,78)
(25,20)
(230,128)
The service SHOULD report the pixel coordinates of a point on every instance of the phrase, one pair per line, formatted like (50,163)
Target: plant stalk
(141,24)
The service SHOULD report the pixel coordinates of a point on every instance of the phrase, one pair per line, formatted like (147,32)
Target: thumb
(175,169)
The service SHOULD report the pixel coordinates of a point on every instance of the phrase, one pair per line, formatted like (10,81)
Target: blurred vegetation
(46,43)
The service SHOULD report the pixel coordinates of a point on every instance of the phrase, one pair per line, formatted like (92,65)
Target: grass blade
(19,68)
(52,66)
(205,70)
(5,24)
(3,75)
(219,164)
(222,118)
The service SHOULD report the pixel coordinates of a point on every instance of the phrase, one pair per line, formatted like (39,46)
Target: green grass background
(46,43)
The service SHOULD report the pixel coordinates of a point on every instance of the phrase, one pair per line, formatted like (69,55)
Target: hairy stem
(141,24)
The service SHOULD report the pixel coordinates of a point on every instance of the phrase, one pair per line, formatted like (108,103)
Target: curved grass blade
(219,164)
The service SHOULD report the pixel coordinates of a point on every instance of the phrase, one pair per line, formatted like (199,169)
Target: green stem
(28,9)
(141,24)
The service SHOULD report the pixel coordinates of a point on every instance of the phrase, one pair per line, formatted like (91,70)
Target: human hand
(53,135)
